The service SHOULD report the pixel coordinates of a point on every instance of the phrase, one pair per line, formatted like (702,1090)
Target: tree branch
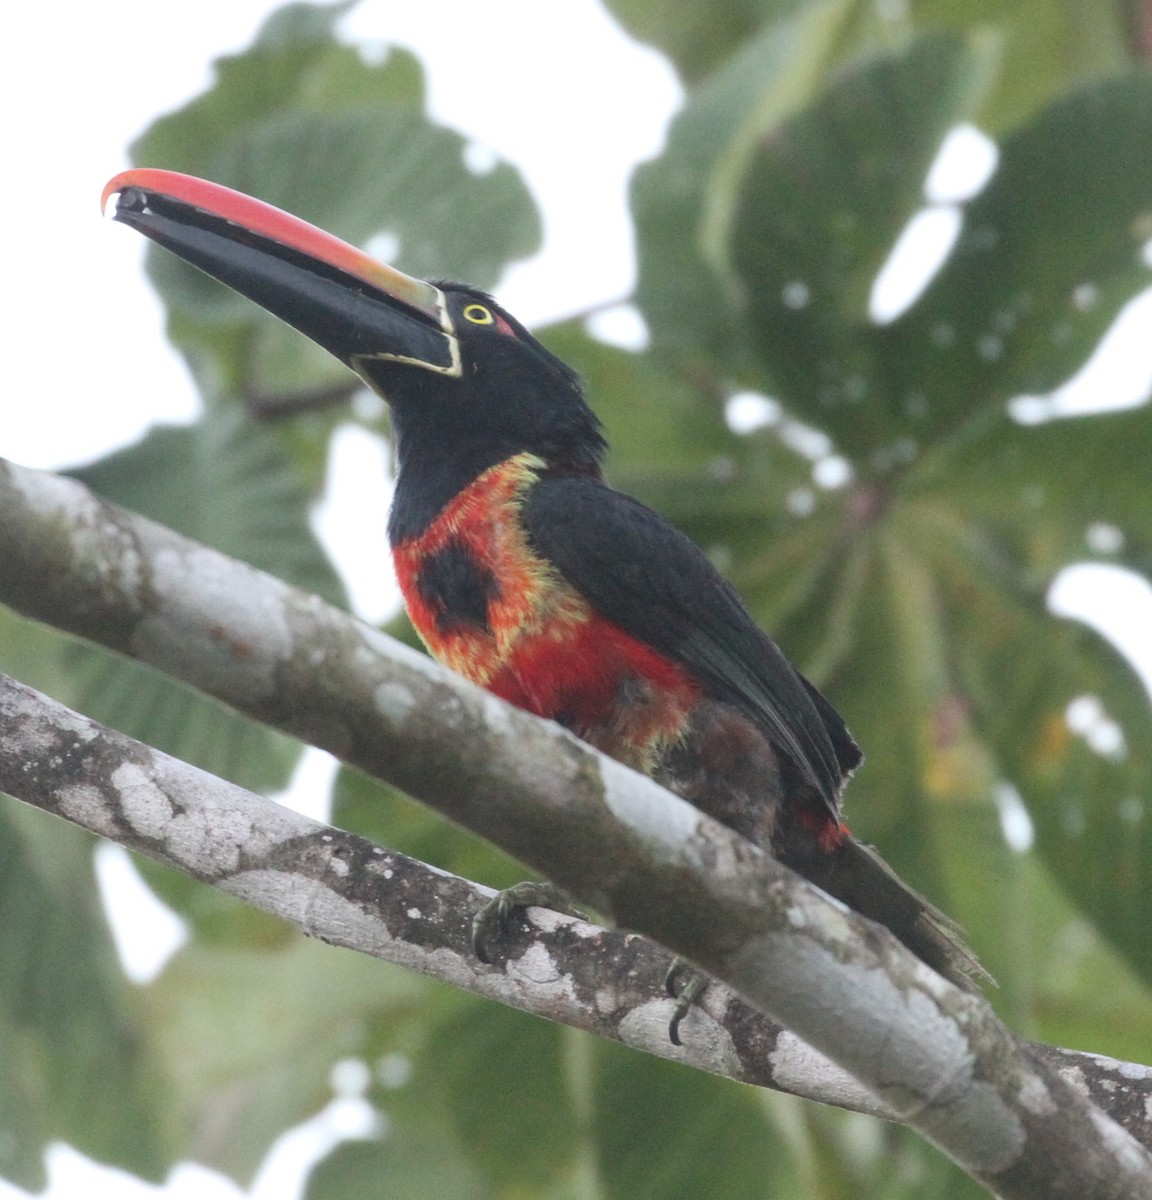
(939,1059)
(349,892)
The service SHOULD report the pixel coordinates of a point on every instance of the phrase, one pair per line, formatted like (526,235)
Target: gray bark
(937,1059)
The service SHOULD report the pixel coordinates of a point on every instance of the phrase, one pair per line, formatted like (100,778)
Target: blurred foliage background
(890,510)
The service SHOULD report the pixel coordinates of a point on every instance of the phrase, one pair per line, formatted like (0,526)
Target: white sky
(91,365)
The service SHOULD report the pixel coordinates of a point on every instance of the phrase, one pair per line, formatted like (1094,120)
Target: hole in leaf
(1015,820)
(745,412)
(920,251)
(622,326)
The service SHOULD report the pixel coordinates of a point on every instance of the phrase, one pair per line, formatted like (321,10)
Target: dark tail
(857,875)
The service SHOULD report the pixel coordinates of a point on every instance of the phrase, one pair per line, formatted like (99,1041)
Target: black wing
(644,575)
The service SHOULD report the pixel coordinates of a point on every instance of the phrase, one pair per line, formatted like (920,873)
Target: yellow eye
(478,315)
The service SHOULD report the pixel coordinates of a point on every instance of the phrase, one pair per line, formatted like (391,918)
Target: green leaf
(1043,48)
(31,652)
(944,606)
(1042,487)
(1081,992)
(75,1064)
(499,1077)
(415,1162)
(697,38)
(821,204)
(386,816)
(484,1086)
(1050,251)
(225,482)
(789,238)
(519,1107)
(1091,811)
(665,1133)
(308,123)
(1040,48)
(684,201)
(250,1038)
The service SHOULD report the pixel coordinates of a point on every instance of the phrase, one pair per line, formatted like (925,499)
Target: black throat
(512,397)
(431,472)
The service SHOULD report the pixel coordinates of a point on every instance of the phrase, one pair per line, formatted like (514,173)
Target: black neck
(428,478)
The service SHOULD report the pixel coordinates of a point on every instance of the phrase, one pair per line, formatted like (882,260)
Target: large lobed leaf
(494,1104)
(76,1064)
(224,481)
(313,125)
(249,1035)
(1041,48)
(909,589)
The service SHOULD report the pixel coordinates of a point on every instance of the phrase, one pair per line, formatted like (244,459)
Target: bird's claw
(685,996)
(494,918)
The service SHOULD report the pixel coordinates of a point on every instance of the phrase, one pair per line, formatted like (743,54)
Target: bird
(522,569)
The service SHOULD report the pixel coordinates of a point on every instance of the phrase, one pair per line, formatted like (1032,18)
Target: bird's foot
(694,984)
(491,922)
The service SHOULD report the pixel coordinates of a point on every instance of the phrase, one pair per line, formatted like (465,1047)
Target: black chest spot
(457,588)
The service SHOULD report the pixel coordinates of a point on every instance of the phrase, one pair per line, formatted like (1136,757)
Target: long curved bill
(355,307)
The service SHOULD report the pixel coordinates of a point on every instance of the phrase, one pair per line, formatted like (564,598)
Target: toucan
(522,569)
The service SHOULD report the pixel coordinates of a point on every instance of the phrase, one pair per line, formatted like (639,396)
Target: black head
(512,395)
(467,384)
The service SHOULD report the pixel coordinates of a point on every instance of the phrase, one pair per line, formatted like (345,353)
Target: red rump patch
(830,833)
